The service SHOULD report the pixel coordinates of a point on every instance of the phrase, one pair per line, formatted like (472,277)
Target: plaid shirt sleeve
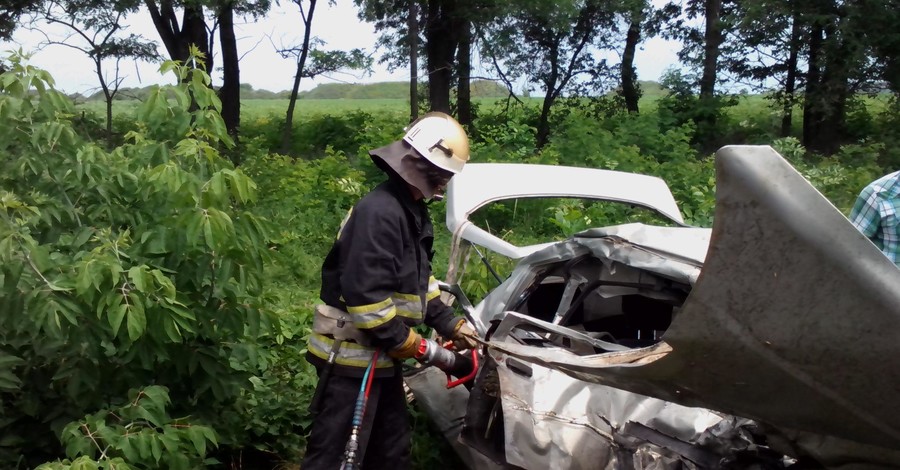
(866,216)
(877,215)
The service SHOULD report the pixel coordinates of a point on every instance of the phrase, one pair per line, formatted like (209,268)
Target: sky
(261,66)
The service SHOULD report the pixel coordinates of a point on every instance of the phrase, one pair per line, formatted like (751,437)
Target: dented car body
(766,341)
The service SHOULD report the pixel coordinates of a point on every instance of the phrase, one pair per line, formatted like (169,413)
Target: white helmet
(440,139)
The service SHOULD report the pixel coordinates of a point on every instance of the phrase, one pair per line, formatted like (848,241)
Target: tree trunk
(713,38)
(463,72)
(412,23)
(630,91)
(230,93)
(553,90)
(178,40)
(543,127)
(828,132)
(288,130)
(108,97)
(109,116)
(440,45)
(811,111)
(790,83)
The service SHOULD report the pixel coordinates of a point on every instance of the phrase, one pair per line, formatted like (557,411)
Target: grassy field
(753,114)
(252,109)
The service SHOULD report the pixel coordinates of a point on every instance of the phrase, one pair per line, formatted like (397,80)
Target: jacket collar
(415,209)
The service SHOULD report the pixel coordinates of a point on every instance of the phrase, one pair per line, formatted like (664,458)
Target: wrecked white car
(768,341)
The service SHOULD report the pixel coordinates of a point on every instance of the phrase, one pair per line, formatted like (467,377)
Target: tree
(179,37)
(701,26)
(323,62)
(463,73)
(711,43)
(631,93)
(230,92)
(399,23)
(443,23)
(881,18)
(11,11)
(550,44)
(767,42)
(838,67)
(301,54)
(447,29)
(193,31)
(94,27)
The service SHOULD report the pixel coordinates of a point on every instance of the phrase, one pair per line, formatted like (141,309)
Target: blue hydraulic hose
(351,450)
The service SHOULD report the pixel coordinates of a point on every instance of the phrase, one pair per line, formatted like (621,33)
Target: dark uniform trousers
(385,433)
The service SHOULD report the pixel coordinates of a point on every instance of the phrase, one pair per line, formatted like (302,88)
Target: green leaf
(172,331)
(169,440)
(156,449)
(9,381)
(139,277)
(114,316)
(67,308)
(137,321)
(127,447)
(195,222)
(142,442)
(82,237)
(158,395)
(217,186)
(208,233)
(83,463)
(165,284)
(198,438)
(210,435)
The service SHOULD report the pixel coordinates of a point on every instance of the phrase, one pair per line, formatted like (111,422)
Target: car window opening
(609,302)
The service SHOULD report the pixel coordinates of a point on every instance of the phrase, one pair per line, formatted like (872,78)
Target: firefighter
(376,285)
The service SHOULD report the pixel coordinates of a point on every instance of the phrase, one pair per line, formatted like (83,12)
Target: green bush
(122,269)
(139,432)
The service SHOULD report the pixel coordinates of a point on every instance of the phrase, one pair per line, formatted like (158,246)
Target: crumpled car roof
(482,183)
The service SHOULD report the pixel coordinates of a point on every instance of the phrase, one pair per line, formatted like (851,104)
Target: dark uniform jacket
(379,270)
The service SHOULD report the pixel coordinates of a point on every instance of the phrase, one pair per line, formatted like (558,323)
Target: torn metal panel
(586,368)
(552,420)
(674,252)
(498,300)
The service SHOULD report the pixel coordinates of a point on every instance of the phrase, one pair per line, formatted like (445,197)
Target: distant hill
(390,90)
(651,88)
(126,94)
(354,91)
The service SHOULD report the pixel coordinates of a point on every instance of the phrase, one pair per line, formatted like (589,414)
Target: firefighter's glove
(408,348)
(464,336)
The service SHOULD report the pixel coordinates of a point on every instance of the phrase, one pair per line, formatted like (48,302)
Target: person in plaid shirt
(877,214)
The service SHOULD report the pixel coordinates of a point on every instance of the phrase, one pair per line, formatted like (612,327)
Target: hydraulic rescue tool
(430,353)
(454,364)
